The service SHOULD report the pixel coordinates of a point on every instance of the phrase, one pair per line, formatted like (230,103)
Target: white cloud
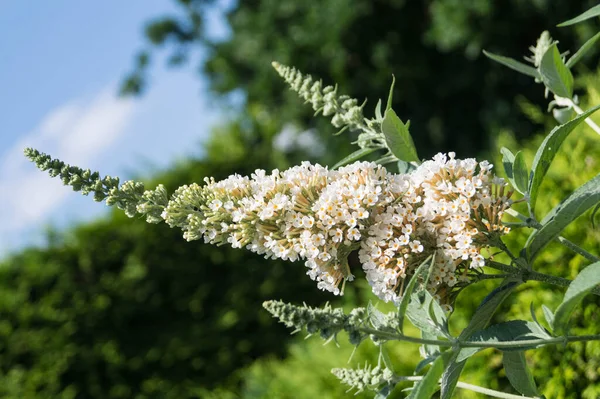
(77,132)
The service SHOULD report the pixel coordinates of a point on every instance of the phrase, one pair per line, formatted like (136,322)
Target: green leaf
(518,373)
(378,320)
(356,155)
(487,308)
(582,199)
(521,173)
(397,137)
(555,74)
(480,319)
(585,281)
(378,115)
(514,330)
(591,13)
(514,64)
(548,315)
(405,167)
(587,46)
(418,312)
(428,360)
(425,388)
(508,159)
(384,392)
(450,376)
(593,215)
(410,287)
(547,151)
(388,106)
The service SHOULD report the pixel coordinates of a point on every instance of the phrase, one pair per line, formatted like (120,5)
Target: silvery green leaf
(425,388)
(508,158)
(378,115)
(410,287)
(418,312)
(355,156)
(397,137)
(585,281)
(521,173)
(547,151)
(582,199)
(514,64)
(591,13)
(555,74)
(587,46)
(377,319)
(518,373)
(384,392)
(480,319)
(548,315)
(388,106)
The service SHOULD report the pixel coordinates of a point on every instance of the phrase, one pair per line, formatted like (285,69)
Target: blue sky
(60,65)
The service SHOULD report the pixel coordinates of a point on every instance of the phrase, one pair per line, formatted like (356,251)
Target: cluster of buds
(448,208)
(344,111)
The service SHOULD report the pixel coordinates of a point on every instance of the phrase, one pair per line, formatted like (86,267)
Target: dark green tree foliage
(122,309)
(455,98)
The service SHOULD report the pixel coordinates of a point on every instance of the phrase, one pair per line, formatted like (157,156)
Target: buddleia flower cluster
(447,207)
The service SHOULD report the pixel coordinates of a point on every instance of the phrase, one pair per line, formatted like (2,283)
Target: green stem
(588,120)
(475,388)
(530,222)
(522,344)
(526,275)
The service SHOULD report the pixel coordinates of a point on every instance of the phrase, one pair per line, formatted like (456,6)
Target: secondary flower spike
(448,208)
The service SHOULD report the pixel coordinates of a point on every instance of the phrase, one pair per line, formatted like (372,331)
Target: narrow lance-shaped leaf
(425,388)
(397,137)
(410,287)
(518,373)
(425,313)
(587,46)
(520,172)
(585,281)
(591,13)
(555,74)
(582,199)
(356,155)
(548,315)
(480,319)
(388,106)
(514,64)
(547,151)
(508,158)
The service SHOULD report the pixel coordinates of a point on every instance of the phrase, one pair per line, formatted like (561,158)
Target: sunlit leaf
(582,199)
(521,173)
(397,137)
(585,281)
(587,46)
(547,151)
(514,64)
(591,13)
(555,74)
(355,156)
